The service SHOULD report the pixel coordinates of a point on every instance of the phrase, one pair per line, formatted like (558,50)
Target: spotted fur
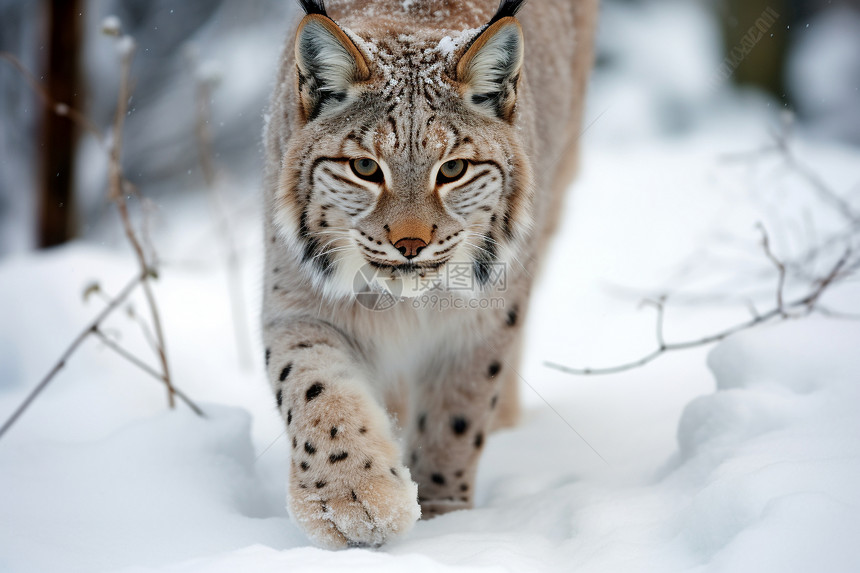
(411,86)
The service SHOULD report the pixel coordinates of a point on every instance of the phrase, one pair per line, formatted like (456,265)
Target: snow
(111,26)
(125,46)
(449,45)
(739,457)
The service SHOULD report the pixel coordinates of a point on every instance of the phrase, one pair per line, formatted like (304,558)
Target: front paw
(348,489)
(355,513)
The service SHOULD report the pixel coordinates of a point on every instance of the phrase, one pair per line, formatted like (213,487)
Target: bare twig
(93,328)
(818,185)
(660,306)
(781,146)
(118,188)
(131,313)
(203,96)
(780,267)
(61,363)
(830,313)
(803,306)
(835,274)
(117,195)
(145,367)
(800,269)
(59,108)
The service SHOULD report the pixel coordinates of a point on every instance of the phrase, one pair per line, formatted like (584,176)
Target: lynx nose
(410,247)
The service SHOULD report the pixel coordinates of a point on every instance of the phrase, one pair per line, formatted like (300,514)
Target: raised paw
(366,512)
(347,486)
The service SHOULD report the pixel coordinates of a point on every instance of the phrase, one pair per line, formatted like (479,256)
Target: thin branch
(782,148)
(780,267)
(836,273)
(202,113)
(802,268)
(95,289)
(117,195)
(145,367)
(131,313)
(830,313)
(660,306)
(118,186)
(805,305)
(59,108)
(61,363)
(817,183)
(752,308)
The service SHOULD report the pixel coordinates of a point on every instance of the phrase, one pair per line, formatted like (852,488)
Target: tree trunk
(56,201)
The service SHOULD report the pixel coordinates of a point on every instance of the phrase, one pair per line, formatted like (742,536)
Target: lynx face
(406,157)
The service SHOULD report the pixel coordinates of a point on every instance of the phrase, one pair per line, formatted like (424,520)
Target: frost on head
(450,45)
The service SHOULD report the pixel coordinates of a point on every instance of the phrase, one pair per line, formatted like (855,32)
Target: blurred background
(664,67)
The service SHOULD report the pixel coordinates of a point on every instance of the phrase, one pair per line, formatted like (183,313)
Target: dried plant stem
(117,196)
(118,187)
(93,328)
(61,363)
(827,194)
(146,368)
(144,328)
(780,268)
(844,268)
(58,108)
(802,306)
(782,147)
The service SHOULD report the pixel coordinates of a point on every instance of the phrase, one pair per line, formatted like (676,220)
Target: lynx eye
(367,169)
(451,171)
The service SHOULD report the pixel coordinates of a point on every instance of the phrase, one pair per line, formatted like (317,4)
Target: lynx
(409,142)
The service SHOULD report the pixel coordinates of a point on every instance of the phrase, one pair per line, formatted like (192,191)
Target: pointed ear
(328,65)
(489,71)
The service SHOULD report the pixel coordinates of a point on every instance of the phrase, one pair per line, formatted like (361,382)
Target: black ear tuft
(507,8)
(314,7)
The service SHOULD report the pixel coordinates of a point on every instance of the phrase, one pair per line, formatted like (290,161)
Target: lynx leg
(450,428)
(506,403)
(347,485)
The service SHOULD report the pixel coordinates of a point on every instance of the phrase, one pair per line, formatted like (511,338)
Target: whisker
(466,242)
(323,249)
(331,251)
(480,248)
(333,232)
(335,249)
(491,240)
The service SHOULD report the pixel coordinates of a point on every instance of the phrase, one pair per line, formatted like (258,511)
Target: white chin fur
(448,280)
(350,264)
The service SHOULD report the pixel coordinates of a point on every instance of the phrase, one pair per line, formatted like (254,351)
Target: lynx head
(405,152)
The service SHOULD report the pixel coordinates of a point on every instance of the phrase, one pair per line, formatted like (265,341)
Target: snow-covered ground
(739,457)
